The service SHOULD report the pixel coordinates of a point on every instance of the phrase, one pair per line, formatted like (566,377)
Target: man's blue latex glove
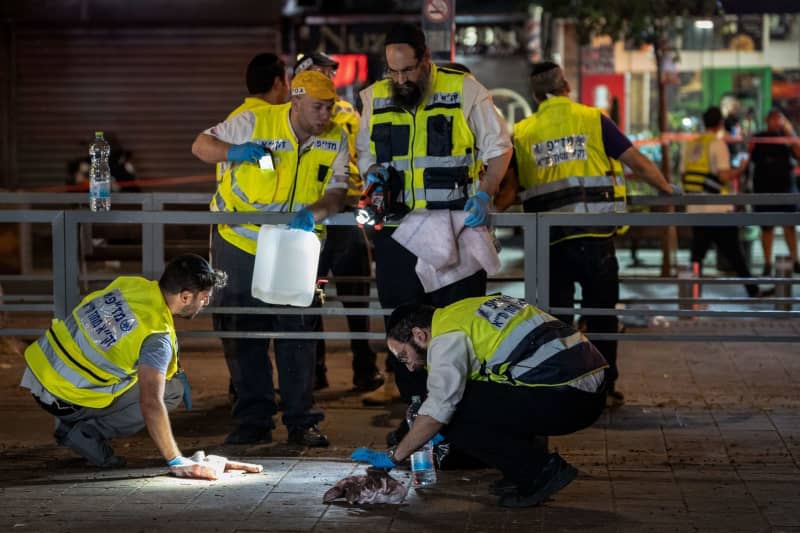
(376,459)
(187,389)
(436,439)
(304,220)
(251,152)
(377,175)
(478,207)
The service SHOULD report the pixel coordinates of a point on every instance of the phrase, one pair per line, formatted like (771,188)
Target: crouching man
(500,373)
(111,367)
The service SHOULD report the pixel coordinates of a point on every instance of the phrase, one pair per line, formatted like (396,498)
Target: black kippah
(542,67)
(406,34)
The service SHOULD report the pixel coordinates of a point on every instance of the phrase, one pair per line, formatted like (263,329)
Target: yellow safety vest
(297,180)
(518,344)
(697,176)
(250,103)
(92,356)
(433,147)
(563,165)
(346,116)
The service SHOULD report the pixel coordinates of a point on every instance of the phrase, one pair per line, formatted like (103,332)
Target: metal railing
(536,228)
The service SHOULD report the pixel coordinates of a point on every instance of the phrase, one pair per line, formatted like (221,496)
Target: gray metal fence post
(531,266)
(542,247)
(72,293)
(60,307)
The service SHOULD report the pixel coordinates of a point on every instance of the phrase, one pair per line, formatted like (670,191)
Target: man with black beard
(435,131)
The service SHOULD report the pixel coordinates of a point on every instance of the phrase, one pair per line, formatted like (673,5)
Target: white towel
(447,251)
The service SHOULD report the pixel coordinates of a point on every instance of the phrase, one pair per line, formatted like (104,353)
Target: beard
(408,95)
(422,354)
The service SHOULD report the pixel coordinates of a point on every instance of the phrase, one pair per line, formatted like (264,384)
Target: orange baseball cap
(314,84)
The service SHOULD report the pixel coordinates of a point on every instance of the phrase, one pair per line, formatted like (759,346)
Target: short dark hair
(409,34)
(406,317)
(262,72)
(712,117)
(547,78)
(190,272)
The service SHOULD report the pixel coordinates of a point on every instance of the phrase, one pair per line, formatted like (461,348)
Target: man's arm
(151,402)
(331,203)
(491,134)
(645,170)
(423,430)
(366,159)
(335,195)
(209,149)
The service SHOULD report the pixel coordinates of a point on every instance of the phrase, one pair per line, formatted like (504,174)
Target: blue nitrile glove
(304,220)
(478,207)
(377,175)
(179,460)
(436,439)
(376,459)
(251,152)
(187,389)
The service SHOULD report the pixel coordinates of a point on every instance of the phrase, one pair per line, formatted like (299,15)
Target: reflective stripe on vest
(545,352)
(433,147)
(563,166)
(697,176)
(92,357)
(296,181)
(590,194)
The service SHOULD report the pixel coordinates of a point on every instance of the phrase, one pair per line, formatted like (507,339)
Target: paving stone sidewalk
(708,440)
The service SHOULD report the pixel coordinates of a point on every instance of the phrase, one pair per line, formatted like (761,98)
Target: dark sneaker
(556,474)
(615,398)
(796,267)
(311,437)
(502,487)
(368,382)
(247,434)
(767,272)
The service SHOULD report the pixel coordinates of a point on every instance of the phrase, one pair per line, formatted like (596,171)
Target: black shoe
(247,434)
(311,437)
(502,487)
(368,382)
(556,474)
(796,267)
(766,293)
(393,438)
(767,272)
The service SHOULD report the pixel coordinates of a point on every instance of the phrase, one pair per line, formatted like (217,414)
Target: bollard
(783,269)
(687,288)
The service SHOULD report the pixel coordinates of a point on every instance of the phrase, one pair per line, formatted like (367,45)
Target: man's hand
(376,459)
(247,152)
(304,220)
(376,174)
(478,207)
(202,466)
(677,190)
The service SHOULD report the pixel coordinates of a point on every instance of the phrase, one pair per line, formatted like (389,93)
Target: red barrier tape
(151,182)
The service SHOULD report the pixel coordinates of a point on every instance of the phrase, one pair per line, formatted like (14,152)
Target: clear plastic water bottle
(99,174)
(423,470)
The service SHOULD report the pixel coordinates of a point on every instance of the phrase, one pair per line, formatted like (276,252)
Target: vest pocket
(390,141)
(440,135)
(446,188)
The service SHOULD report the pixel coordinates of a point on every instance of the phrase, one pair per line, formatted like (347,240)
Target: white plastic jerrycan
(285,271)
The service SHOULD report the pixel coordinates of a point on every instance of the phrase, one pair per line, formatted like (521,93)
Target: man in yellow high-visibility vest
(111,367)
(564,155)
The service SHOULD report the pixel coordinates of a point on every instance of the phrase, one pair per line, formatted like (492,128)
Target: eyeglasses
(406,72)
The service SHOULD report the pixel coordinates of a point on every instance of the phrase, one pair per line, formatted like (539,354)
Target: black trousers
(497,424)
(592,263)
(398,284)
(345,253)
(248,360)
(726,240)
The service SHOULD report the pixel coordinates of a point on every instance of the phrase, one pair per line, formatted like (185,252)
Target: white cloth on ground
(447,251)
